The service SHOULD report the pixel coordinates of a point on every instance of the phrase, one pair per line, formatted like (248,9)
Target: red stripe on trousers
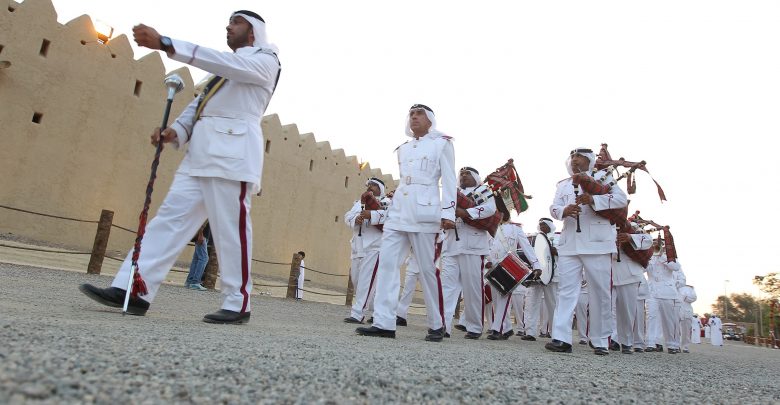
(438,282)
(371,284)
(242,236)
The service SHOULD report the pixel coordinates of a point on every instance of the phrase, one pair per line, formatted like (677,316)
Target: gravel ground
(60,347)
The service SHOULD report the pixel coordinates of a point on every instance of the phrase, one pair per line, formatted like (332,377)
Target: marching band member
(519,295)
(661,273)
(221,170)
(509,238)
(627,274)
(541,299)
(463,261)
(687,297)
(582,313)
(365,243)
(591,248)
(414,219)
(301,278)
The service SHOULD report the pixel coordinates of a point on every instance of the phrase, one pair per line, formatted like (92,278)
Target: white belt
(232,114)
(418,180)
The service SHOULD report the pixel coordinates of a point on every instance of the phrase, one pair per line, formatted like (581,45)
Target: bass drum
(543,250)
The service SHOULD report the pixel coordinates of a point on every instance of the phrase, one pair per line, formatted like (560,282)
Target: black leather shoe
(601,351)
(115,297)
(673,351)
(545,335)
(400,321)
(659,348)
(446,335)
(614,346)
(496,335)
(583,342)
(529,338)
(626,349)
(375,332)
(649,349)
(370,320)
(225,316)
(472,335)
(460,328)
(509,334)
(352,320)
(435,335)
(521,334)
(557,346)
(639,350)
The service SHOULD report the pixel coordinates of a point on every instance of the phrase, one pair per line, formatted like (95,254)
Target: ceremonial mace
(174,84)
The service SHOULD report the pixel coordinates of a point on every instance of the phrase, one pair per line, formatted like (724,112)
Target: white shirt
(417,204)
(472,241)
(598,235)
(661,277)
(509,238)
(227,141)
(627,271)
(370,238)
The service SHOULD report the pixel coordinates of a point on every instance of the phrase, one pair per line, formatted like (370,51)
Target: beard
(239,40)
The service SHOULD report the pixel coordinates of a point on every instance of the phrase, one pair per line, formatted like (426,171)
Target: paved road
(60,347)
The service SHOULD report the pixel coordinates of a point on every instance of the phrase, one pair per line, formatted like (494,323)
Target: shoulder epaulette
(400,146)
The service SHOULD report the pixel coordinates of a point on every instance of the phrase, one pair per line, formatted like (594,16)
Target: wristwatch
(166,44)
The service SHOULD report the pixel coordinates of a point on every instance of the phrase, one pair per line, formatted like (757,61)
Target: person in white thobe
(716,331)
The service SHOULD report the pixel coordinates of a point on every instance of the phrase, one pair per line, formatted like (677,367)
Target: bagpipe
(503,183)
(668,239)
(368,201)
(589,184)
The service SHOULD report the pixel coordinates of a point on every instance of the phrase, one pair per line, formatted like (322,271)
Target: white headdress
(258,29)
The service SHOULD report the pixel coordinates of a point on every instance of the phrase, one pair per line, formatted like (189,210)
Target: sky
(691,87)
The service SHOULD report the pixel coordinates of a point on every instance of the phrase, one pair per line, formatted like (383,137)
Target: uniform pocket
(601,231)
(428,205)
(229,138)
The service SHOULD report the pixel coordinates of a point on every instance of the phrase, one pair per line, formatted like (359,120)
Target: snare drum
(508,274)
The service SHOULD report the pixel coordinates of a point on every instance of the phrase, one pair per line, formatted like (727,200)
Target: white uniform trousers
(518,305)
(189,202)
(548,306)
(598,273)
(410,284)
(669,314)
(500,308)
(639,324)
(582,315)
(533,307)
(685,333)
(654,334)
(395,247)
(625,297)
(354,274)
(464,273)
(364,291)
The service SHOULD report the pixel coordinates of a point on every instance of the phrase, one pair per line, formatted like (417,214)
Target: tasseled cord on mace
(135,284)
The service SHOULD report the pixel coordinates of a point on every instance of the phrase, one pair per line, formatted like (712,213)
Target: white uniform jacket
(644,291)
(227,141)
(661,277)
(688,296)
(472,241)
(627,271)
(509,238)
(417,204)
(368,239)
(598,235)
